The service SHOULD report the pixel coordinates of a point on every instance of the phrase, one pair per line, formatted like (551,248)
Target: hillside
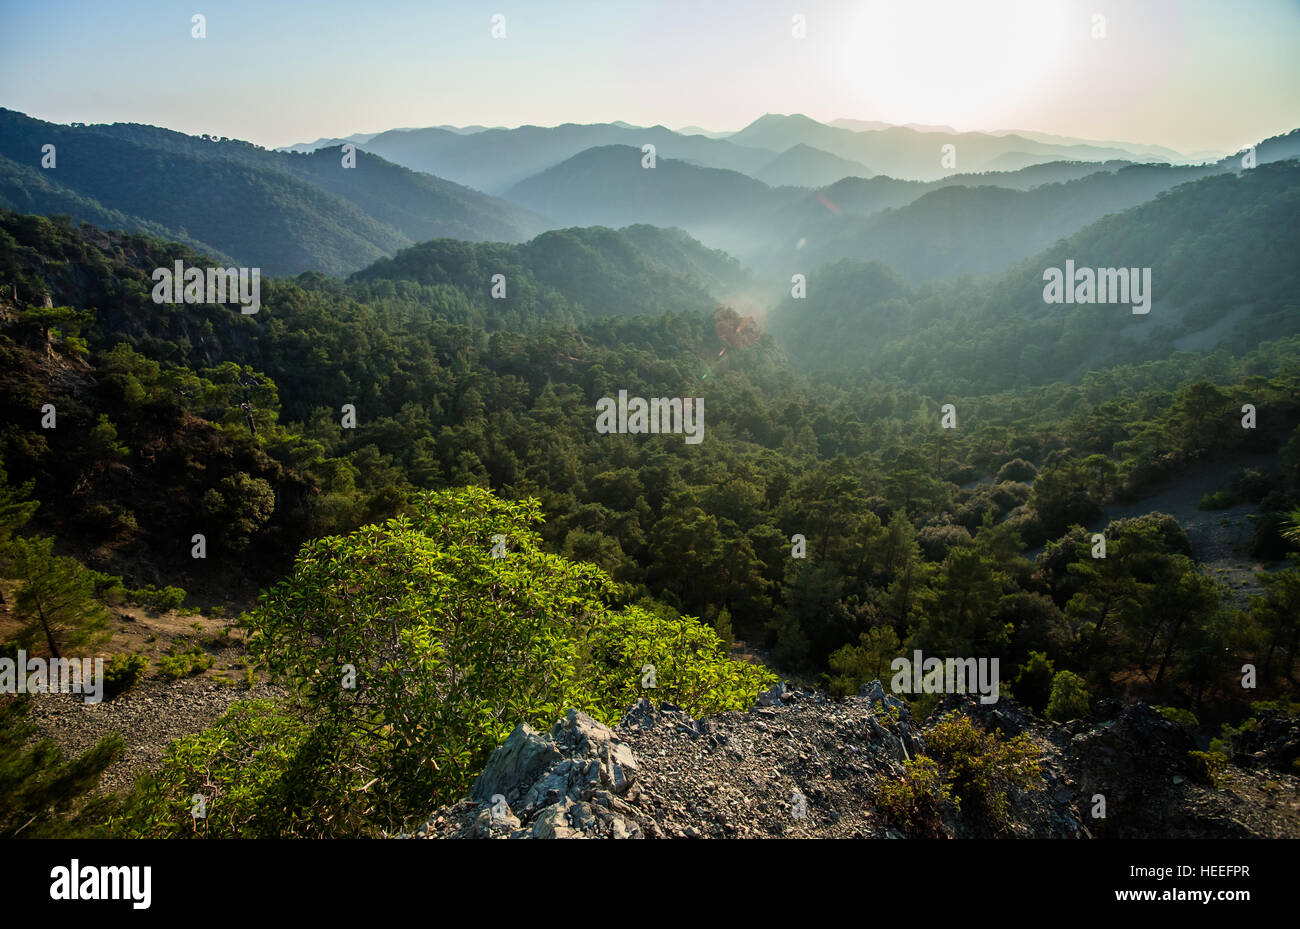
(804,166)
(282,212)
(572,274)
(1205,280)
(609,186)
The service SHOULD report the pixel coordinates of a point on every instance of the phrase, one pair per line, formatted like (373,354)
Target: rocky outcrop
(568,783)
(801,765)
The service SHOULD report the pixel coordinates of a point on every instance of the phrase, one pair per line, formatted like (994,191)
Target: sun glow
(951,61)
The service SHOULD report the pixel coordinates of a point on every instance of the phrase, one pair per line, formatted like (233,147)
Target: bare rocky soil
(156,710)
(148,716)
(661,774)
(1220,539)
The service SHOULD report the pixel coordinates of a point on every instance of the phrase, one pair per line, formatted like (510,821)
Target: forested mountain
(804,166)
(279,211)
(1223,276)
(310,213)
(958,225)
(606,186)
(954,229)
(567,275)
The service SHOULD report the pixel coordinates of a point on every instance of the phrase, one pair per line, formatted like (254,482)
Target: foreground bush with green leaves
(985,770)
(412,648)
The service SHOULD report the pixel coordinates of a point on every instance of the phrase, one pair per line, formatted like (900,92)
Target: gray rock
(773,696)
(516,765)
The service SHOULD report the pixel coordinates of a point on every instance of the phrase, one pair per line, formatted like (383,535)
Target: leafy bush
(984,768)
(160,601)
(869,660)
(1211,767)
(260,772)
(1219,500)
(915,802)
(451,648)
(691,667)
(180,664)
(1252,485)
(122,671)
(1182,717)
(1069,698)
(1034,681)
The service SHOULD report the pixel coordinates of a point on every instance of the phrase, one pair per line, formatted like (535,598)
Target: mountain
(1275,148)
(707,133)
(804,166)
(904,152)
(495,160)
(1148,152)
(608,186)
(572,274)
(964,223)
(1221,252)
(283,212)
(360,138)
(26,189)
(862,125)
(953,229)
(357,138)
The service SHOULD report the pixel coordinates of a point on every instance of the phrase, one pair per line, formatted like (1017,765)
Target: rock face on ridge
(800,765)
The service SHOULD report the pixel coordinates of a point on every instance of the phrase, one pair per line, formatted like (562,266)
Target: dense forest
(838,513)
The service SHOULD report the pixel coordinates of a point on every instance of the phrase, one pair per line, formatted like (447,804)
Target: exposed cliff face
(808,767)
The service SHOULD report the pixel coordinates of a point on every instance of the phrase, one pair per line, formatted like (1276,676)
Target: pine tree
(56,600)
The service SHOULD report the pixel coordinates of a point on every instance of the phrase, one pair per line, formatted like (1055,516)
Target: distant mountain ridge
(283,212)
(493,160)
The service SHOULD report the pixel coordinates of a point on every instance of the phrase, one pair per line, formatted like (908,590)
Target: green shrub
(983,767)
(453,647)
(915,802)
(1219,500)
(121,672)
(180,664)
(1211,767)
(261,771)
(1069,698)
(1034,681)
(158,600)
(1182,717)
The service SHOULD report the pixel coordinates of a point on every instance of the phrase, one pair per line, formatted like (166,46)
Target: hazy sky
(1190,75)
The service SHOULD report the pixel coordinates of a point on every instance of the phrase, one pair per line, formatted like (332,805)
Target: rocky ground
(661,774)
(148,716)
